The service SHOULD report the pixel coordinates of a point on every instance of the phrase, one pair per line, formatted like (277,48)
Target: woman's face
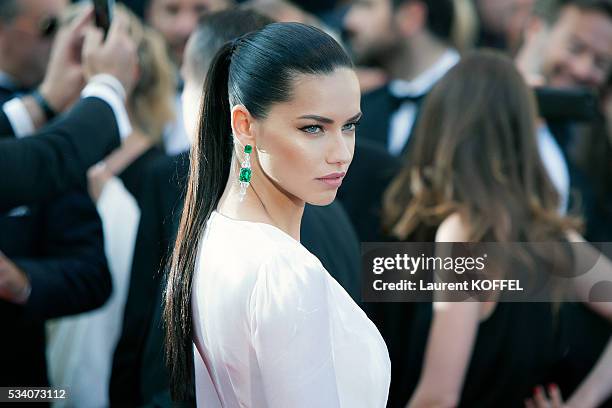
(305,145)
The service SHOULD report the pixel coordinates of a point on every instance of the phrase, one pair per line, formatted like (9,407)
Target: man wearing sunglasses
(51,249)
(27,29)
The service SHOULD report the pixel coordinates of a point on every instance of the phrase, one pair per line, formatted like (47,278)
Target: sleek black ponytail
(256,71)
(210,159)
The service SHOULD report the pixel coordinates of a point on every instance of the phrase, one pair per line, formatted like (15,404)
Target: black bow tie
(399,100)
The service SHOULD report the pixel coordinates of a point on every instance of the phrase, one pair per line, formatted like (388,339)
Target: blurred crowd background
(94,257)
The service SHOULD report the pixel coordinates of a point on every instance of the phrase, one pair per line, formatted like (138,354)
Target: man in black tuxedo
(32,90)
(52,264)
(139,375)
(57,158)
(410,41)
(577,53)
(27,30)
(52,261)
(572,50)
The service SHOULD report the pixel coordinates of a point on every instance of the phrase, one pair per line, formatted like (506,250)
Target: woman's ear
(243,125)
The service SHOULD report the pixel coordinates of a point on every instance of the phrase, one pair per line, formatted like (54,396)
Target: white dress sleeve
(291,333)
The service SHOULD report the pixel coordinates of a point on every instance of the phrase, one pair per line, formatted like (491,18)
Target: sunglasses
(46,28)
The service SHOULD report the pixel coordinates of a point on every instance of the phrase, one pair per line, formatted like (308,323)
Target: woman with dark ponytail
(247,307)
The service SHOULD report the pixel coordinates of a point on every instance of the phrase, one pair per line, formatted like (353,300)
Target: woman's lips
(332,180)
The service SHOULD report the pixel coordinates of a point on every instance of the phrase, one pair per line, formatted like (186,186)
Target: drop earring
(245,171)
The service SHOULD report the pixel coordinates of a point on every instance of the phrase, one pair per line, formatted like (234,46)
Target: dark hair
(216,28)
(9,9)
(257,71)
(440,16)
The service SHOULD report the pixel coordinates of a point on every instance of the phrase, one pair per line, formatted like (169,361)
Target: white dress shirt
(555,164)
(175,136)
(15,110)
(98,87)
(403,119)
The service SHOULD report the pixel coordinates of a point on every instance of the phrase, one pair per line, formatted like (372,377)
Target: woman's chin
(322,199)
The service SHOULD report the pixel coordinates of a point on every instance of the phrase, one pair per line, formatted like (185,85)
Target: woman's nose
(341,148)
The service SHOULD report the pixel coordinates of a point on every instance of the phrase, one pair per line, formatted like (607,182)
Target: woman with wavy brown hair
(474,174)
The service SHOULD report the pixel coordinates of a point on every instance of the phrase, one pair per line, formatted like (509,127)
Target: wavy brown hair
(474,152)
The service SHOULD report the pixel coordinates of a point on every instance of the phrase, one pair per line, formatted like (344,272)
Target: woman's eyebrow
(317,118)
(328,120)
(354,118)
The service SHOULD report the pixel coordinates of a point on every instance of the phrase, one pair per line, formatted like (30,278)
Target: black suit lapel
(377,107)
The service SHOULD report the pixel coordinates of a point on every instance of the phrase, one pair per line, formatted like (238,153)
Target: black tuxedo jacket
(59,245)
(162,198)
(7,93)
(139,375)
(57,158)
(377,107)
(361,192)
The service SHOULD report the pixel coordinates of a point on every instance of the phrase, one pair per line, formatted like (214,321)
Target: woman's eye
(350,126)
(312,129)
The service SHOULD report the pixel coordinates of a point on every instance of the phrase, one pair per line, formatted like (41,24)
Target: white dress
(272,328)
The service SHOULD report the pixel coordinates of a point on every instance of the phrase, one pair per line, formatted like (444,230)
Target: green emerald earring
(245,171)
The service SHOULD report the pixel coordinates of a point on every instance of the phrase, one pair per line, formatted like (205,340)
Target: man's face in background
(25,41)
(176,20)
(579,52)
(369,26)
